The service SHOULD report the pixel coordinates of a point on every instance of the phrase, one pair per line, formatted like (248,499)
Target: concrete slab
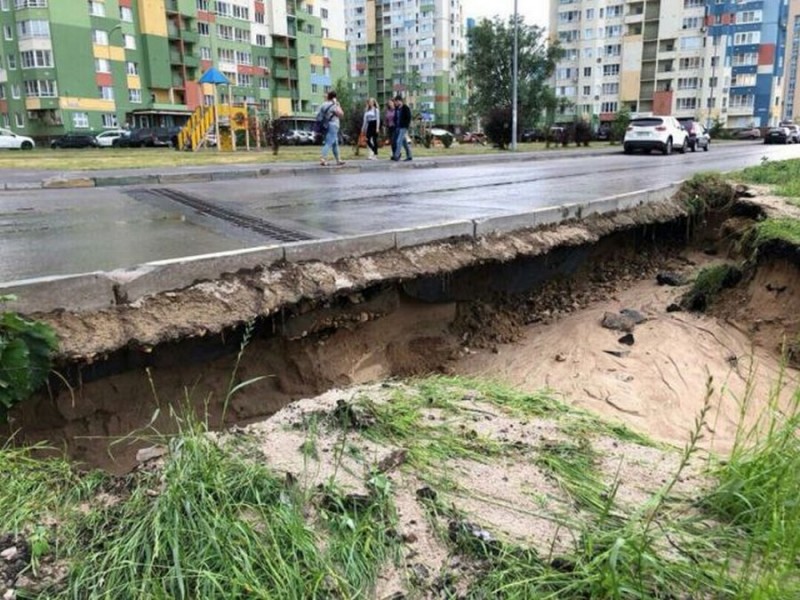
(125,180)
(504,224)
(338,248)
(184,177)
(415,236)
(228,175)
(87,291)
(23,185)
(165,275)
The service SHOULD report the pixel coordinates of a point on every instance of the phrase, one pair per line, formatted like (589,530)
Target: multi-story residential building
(411,47)
(791,87)
(87,65)
(707,59)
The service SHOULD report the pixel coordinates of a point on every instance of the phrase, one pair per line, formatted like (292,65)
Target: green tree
(489,69)
(620,124)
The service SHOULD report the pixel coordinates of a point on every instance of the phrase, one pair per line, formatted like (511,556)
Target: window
(743,79)
(694,62)
(41,89)
(125,14)
(260,18)
(8,32)
(610,70)
(202,5)
(26,4)
(691,43)
(263,83)
(12,62)
(225,32)
(97,9)
(587,71)
(205,53)
(99,37)
(109,120)
(33,29)
(15,93)
(202,28)
(102,65)
(747,37)
(135,95)
(692,22)
(614,50)
(243,80)
(749,16)
(688,83)
(130,41)
(132,68)
(105,92)
(4,5)
(261,40)
(686,104)
(610,89)
(244,58)
(608,107)
(36,59)
(19,120)
(613,31)
(2,91)
(225,54)
(694,3)
(241,12)
(614,11)
(80,120)
(323,13)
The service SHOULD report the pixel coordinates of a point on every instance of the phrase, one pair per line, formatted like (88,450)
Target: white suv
(655,133)
(9,139)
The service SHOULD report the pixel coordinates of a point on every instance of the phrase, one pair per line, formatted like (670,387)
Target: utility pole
(514,84)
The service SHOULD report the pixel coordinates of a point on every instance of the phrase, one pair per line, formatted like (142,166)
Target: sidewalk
(40,179)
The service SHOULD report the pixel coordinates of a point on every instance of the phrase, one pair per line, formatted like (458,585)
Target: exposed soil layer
(525,308)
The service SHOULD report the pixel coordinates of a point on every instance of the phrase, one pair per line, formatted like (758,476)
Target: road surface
(58,232)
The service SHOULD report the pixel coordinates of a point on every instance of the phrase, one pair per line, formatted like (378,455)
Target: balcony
(191,61)
(281,73)
(189,36)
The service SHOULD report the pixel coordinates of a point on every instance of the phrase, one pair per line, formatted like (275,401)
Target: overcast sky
(534,11)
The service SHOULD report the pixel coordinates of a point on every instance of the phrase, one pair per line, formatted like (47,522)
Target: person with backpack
(403,123)
(328,126)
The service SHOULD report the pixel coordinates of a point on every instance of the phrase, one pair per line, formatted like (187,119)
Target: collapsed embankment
(308,327)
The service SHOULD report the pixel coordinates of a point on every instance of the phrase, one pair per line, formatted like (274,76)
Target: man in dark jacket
(402,122)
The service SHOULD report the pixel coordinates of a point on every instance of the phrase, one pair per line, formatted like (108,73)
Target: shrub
(447,140)
(498,126)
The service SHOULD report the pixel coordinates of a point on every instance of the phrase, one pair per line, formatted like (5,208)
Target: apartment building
(68,65)
(708,59)
(409,47)
(792,73)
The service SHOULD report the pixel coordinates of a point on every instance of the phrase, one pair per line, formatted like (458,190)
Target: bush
(498,126)
(447,140)
(25,349)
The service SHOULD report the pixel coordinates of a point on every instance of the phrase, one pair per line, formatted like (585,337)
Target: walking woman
(389,119)
(370,127)
(329,114)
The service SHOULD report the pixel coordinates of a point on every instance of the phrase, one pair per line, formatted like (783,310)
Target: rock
(670,278)
(409,538)
(147,454)
(426,493)
(634,315)
(561,358)
(10,595)
(627,339)
(393,460)
(674,308)
(617,322)
(618,353)
(9,554)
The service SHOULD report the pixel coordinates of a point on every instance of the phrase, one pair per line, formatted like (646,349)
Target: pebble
(10,595)
(9,554)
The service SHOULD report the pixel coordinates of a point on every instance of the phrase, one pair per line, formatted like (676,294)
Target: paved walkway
(19,179)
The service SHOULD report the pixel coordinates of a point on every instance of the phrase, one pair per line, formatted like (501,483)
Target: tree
(489,69)
(620,124)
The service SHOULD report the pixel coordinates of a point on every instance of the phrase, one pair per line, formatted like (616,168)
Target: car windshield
(649,122)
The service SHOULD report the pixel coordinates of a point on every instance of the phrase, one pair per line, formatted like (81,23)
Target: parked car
(106,138)
(9,139)
(148,137)
(779,135)
(532,135)
(655,133)
(698,134)
(74,140)
(749,133)
(793,128)
(603,133)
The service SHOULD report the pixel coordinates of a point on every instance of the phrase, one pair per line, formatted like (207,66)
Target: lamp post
(514,85)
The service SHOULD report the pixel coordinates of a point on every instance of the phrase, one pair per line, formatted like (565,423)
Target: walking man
(403,122)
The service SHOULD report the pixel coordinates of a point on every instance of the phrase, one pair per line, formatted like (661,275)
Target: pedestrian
(388,118)
(329,114)
(370,127)
(402,123)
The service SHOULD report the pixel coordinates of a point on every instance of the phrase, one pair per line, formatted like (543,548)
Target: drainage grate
(261,226)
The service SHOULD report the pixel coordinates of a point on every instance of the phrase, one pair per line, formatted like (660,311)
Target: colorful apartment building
(69,65)
(409,47)
(714,60)
(791,87)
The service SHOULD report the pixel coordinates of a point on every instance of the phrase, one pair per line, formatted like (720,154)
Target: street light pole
(515,82)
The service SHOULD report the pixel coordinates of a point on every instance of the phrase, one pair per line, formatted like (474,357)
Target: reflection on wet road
(70,231)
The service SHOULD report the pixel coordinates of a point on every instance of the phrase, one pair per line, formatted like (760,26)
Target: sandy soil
(658,385)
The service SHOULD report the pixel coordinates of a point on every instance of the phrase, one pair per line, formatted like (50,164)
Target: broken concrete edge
(98,290)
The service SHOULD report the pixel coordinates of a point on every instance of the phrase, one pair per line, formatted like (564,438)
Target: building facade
(792,91)
(714,60)
(410,47)
(78,65)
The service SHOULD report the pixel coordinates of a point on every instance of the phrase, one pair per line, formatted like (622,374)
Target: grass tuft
(784,175)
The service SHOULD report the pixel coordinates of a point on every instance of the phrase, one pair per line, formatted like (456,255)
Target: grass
(783,229)
(784,175)
(91,159)
(214,523)
(708,283)
(705,191)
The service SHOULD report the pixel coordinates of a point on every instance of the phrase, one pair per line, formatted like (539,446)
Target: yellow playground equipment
(218,123)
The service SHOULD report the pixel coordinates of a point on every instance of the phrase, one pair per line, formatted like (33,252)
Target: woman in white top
(371,126)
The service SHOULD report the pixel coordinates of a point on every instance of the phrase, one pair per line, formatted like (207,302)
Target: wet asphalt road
(56,232)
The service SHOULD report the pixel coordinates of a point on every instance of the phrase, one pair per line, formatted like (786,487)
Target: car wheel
(683,148)
(705,148)
(27,146)
(627,149)
(667,147)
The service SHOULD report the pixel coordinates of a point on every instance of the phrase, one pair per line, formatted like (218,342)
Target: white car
(9,139)
(106,138)
(655,133)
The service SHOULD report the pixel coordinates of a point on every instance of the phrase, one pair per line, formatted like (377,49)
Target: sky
(534,11)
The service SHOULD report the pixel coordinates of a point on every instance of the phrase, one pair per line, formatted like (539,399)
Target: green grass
(784,175)
(783,229)
(90,159)
(708,284)
(705,191)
